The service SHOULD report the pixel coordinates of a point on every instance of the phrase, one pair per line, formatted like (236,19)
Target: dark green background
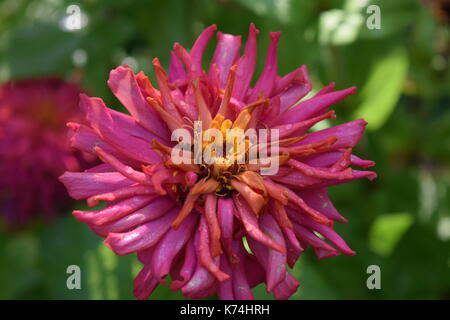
(400,222)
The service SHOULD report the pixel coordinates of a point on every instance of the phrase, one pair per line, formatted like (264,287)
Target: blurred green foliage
(400,222)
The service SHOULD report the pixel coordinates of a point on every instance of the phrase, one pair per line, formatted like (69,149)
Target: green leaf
(41,49)
(387,230)
(383,89)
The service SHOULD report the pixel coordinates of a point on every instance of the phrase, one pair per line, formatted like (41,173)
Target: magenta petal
(328,233)
(225,55)
(82,185)
(166,249)
(225,288)
(273,261)
(199,47)
(250,223)
(226,216)
(347,134)
(246,66)
(176,69)
(286,288)
(319,200)
(118,134)
(114,212)
(323,250)
(327,159)
(204,252)
(85,139)
(254,270)
(299,86)
(188,267)
(142,237)
(293,247)
(266,81)
(123,84)
(150,212)
(327,89)
(241,286)
(144,284)
(314,106)
(202,283)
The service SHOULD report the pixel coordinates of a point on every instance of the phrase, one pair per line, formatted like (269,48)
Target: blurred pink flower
(215,228)
(34,149)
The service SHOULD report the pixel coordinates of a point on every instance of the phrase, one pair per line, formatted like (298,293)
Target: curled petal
(313,107)
(225,215)
(213,224)
(123,84)
(246,65)
(176,69)
(199,46)
(204,252)
(187,269)
(250,223)
(286,288)
(127,171)
(115,131)
(225,55)
(347,134)
(327,232)
(225,288)
(169,246)
(142,237)
(118,194)
(255,200)
(266,81)
(114,212)
(241,286)
(152,211)
(323,250)
(82,185)
(319,200)
(144,284)
(200,188)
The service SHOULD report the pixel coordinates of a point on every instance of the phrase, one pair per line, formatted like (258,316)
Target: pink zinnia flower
(193,222)
(34,150)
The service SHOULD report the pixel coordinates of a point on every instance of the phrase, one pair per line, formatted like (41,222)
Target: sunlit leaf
(383,88)
(387,230)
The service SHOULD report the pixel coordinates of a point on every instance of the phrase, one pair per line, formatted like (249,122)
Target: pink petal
(123,84)
(266,81)
(298,86)
(152,211)
(199,46)
(314,106)
(225,288)
(117,133)
(144,284)
(204,252)
(188,267)
(246,65)
(323,250)
(274,262)
(319,200)
(241,286)
(176,69)
(225,55)
(82,185)
(114,212)
(165,251)
(250,223)
(347,134)
(286,288)
(142,237)
(226,217)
